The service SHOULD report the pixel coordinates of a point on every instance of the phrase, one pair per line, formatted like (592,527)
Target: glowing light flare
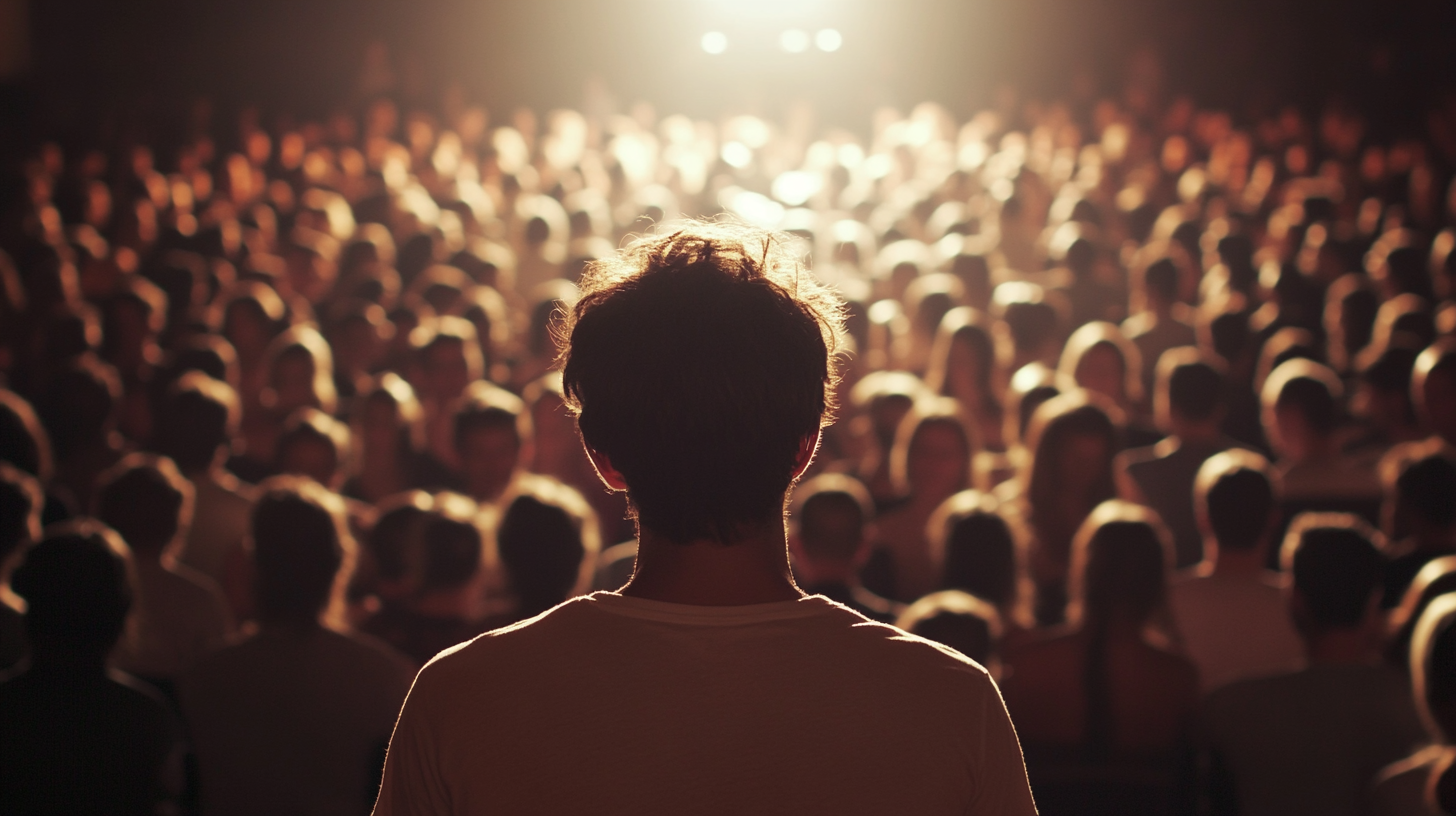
(828,40)
(796,187)
(794,40)
(737,154)
(755,208)
(715,42)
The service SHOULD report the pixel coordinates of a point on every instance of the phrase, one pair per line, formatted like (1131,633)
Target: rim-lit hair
(1145,565)
(305,340)
(339,560)
(1098,334)
(941,412)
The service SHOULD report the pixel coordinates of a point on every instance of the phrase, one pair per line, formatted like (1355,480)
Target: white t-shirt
(1234,627)
(610,704)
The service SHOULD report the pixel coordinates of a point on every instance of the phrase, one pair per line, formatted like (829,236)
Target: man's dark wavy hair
(698,360)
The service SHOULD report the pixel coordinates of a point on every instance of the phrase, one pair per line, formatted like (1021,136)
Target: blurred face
(938,461)
(446,370)
(964,375)
(311,458)
(488,459)
(1101,370)
(293,383)
(246,330)
(1083,462)
(380,426)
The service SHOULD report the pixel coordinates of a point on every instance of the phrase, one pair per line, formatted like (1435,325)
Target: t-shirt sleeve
(412,783)
(999,776)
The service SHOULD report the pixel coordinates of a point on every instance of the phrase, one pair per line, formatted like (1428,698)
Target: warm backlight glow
(794,41)
(715,42)
(828,39)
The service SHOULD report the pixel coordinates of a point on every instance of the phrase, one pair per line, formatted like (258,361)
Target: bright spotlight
(828,39)
(715,42)
(794,41)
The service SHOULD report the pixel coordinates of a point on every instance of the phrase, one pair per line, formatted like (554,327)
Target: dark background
(71,67)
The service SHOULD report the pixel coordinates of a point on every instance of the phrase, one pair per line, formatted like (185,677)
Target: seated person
(547,543)
(295,719)
(1423,509)
(1189,408)
(79,739)
(979,552)
(1230,609)
(1301,415)
(1425,782)
(959,620)
(436,605)
(180,613)
(1104,713)
(827,523)
(1310,741)
(21,501)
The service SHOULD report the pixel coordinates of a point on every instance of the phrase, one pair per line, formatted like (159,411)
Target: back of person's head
(976,547)
(146,501)
(1236,496)
(1098,357)
(1336,570)
(1304,389)
(830,512)
(21,501)
(488,407)
(957,619)
(1076,415)
(1189,386)
(79,406)
(301,550)
(1433,388)
(391,541)
(1119,565)
(451,545)
(313,444)
(1426,493)
(1433,667)
(24,442)
(701,364)
(1436,578)
(199,417)
(211,354)
(78,587)
(547,542)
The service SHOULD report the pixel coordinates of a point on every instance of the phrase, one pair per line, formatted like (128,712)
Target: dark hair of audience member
(78,408)
(23,440)
(976,548)
(1099,358)
(963,362)
(1119,564)
(546,542)
(78,587)
(957,619)
(1236,496)
(1074,415)
(1425,491)
(199,418)
(302,553)
(1031,385)
(1349,322)
(210,354)
(1309,391)
(1189,385)
(387,565)
(911,448)
(21,501)
(831,511)
(1433,670)
(315,445)
(300,372)
(1335,568)
(451,545)
(1437,577)
(1433,388)
(145,500)
(750,339)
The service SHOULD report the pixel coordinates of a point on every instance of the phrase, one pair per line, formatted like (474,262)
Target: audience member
(21,501)
(979,552)
(829,518)
(1423,513)
(959,620)
(1418,784)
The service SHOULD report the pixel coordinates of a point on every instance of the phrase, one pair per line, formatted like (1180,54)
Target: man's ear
(808,446)
(609,475)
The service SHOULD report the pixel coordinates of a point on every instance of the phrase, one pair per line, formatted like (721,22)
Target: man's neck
(1240,563)
(751,570)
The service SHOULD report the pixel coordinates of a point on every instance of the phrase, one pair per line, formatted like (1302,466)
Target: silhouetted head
(492,427)
(146,501)
(1433,667)
(830,512)
(302,552)
(1100,359)
(1433,388)
(1120,559)
(976,548)
(547,542)
(701,365)
(1190,387)
(1235,496)
(957,619)
(198,421)
(1336,571)
(933,451)
(21,501)
(78,587)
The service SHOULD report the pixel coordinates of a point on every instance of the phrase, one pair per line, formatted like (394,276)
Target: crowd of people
(1151,413)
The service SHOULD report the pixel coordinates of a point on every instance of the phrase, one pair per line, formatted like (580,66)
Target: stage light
(715,42)
(794,41)
(828,39)
(737,154)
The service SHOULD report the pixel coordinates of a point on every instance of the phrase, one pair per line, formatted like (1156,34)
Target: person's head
(1433,388)
(492,428)
(976,548)
(1421,499)
(1158,284)
(547,543)
(210,354)
(1120,559)
(701,364)
(1031,385)
(1436,578)
(24,442)
(300,373)
(315,445)
(963,360)
(448,355)
(132,318)
(957,619)
(829,513)
(1301,408)
(450,546)
(79,407)
(1073,438)
(78,588)
(1433,667)
(1349,321)
(1235,497)
(302,552)
(198,422)
(933,450)
(146,501)
(1190,391)
(1336,572)
(21,502)
(1100,359)
(391,543)
(389,416)
(1383,395)
(250,316)
(1027,324)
